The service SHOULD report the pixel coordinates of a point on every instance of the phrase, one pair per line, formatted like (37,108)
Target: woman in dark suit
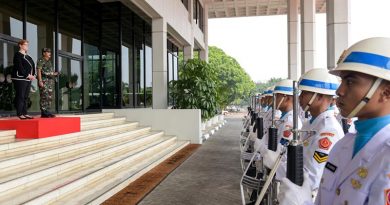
(23,73)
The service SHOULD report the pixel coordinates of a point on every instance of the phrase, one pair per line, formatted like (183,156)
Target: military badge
(324,143)
(356,184)
(320,157)
(362,172)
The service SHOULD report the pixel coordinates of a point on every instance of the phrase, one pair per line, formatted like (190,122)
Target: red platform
(41,127)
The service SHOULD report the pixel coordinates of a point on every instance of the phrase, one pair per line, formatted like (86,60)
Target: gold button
(338,191)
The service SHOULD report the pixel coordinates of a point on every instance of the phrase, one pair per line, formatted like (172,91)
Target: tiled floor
(210,176)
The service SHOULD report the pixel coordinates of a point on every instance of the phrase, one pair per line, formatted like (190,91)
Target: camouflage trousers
(46,94)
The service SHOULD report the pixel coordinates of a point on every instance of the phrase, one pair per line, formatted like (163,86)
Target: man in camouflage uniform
(46,79)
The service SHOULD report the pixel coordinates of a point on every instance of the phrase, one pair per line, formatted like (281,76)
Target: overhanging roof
(242,8)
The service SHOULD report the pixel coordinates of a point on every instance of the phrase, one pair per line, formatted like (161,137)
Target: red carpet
(41,127)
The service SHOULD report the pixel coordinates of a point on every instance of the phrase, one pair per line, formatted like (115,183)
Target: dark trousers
(22,90)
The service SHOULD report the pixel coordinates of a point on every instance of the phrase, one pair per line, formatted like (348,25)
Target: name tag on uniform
(331,166)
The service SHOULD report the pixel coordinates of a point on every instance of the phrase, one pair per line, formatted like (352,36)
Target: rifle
(295,148)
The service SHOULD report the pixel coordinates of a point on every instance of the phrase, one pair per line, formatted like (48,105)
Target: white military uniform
(316,147)
(363,179)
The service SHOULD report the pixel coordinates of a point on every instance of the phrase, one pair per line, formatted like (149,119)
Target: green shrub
(196,88)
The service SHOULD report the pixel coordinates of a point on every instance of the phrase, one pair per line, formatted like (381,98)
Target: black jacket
(23,65)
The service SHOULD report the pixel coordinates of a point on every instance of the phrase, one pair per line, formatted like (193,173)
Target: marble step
(74,174)
(102,123)
(22,166)
(32,146)
(107,173)
(91,117)
(7,136)
(63,150)
(107,186)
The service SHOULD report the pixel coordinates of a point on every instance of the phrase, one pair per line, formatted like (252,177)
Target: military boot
(44,114)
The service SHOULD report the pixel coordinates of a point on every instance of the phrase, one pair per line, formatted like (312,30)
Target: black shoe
(49,114)
(44,114)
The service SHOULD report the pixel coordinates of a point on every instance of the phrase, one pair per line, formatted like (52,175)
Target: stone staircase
(86,167)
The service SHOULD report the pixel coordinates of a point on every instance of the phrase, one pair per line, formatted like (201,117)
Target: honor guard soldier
(284,102)
(317,88)
(46,80)
(358,168)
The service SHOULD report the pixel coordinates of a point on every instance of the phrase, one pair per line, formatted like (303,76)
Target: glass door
(70,84)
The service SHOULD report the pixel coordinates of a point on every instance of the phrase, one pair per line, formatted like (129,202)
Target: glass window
(175,66)
(70,26)
(111,47)
(148,75)
(92,83)
(200,16)
(108,77)
(127,58)
(91,20)
(40,28)
(127,77)
(195,10)
(139,72)
(172,67)
(11,13)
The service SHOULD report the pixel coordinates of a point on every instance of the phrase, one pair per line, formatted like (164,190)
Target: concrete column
(307,35)
(292,18)
(188,52)
(190,10)
(160,81)
(204,54)
(338,22)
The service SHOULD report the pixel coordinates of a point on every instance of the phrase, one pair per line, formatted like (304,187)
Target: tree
(226,77)
(233,83)
(261,87)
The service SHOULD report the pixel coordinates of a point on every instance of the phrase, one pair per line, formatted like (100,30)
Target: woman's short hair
(23,41)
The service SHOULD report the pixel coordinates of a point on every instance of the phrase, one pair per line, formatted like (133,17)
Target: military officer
(46,79)
(358,168)
(262,144)
(284,103)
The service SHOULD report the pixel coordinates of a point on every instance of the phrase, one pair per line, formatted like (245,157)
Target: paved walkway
(210,176)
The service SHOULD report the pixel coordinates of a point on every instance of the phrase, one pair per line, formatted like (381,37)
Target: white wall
(176,16)
(183,123)
(173,12)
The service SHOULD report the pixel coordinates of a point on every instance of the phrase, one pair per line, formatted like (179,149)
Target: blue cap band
(319,84)
(369,59)
(283,88)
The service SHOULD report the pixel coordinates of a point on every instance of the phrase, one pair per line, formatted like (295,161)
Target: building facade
(114,54)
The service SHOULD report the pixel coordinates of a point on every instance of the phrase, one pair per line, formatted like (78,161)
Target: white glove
(270,158)
(292,194)
(263,147)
